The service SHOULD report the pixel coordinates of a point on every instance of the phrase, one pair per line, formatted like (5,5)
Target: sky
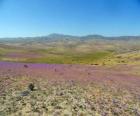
(27,18)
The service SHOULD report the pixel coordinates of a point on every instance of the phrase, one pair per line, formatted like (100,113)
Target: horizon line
(16,37)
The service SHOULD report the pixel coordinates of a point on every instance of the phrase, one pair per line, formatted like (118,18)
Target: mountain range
(56,36)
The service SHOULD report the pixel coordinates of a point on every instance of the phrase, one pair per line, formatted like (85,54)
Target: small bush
(31,87)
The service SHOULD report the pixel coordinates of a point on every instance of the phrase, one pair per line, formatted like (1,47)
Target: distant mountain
(61,36)
(88,43)
(58,37)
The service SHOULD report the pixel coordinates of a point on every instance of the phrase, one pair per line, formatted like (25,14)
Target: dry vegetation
(66,98)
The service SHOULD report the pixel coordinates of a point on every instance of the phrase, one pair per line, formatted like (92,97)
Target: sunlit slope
(63,49)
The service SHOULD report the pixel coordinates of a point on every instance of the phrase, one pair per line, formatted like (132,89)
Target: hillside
(66,49)
(70,76)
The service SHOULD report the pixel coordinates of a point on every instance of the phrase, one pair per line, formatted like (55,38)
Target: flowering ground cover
(70,90)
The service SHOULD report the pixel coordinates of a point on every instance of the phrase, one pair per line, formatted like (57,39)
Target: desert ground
(70,77)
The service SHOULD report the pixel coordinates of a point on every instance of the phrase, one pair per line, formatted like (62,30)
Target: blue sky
(75,17)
